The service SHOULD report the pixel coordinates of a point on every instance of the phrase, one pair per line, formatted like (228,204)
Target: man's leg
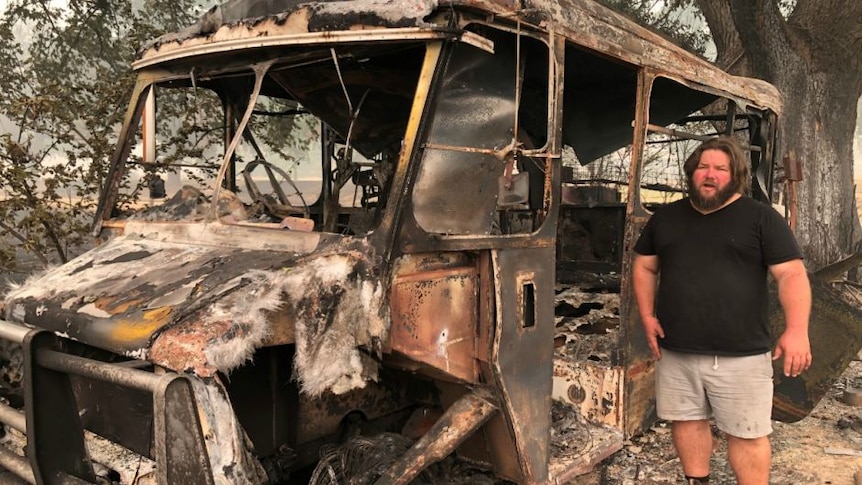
(750,459)
(681,399)
(693,443)
(741,395)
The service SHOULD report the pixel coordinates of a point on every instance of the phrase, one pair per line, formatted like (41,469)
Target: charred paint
(120,302)
(332,302)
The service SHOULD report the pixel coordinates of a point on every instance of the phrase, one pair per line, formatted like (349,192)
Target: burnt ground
(823,448)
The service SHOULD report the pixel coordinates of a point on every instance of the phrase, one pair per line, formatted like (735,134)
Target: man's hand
(796,350)
(644,280)
(653,330)
(794,293)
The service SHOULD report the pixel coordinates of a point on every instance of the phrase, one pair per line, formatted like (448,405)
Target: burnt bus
(395,249)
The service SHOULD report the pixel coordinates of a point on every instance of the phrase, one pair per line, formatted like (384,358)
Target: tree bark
(813,58)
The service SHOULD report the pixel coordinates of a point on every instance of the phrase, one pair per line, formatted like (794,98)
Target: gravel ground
(823,448)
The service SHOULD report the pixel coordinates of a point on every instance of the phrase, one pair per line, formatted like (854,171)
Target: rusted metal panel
(523,353)
(434,320)
(595,390)
(639,396)
(486,308)
(835,341)
(426,262)
(474,114)
(639,403)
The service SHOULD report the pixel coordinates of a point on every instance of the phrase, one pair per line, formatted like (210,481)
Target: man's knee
(750,459)
(749,453)
(747,442)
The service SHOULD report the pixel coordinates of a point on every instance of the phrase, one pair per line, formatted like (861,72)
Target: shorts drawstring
(715,365)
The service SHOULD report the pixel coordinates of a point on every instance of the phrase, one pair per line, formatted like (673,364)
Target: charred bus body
(389,203)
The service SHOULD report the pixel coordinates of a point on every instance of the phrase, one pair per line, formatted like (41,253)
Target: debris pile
(587,322)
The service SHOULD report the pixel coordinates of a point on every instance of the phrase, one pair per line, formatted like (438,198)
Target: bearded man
(706,320)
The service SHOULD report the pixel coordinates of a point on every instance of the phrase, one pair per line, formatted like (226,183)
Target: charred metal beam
(585,463)
(55,440)
(53,422)
(181,454)
(112,373)
(838,268)
(13,417)
(464,417)
(13,332)
(692,136)
(17,465)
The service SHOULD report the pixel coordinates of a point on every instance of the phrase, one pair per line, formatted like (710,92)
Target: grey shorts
(736,391)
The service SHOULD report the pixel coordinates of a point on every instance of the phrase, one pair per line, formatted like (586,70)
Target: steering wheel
(276,202)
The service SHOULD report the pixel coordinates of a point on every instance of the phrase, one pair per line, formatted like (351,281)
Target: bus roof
(584,22)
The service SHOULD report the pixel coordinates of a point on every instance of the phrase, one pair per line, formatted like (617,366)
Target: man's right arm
(645,271)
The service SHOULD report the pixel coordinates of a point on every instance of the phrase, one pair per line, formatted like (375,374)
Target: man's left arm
(794,294)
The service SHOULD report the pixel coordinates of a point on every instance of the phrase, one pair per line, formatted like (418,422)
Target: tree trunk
(813,58)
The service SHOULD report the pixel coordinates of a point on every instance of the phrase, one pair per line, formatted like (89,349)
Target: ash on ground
(823,448)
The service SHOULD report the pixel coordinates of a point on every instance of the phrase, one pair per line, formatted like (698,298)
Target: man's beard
(712,202)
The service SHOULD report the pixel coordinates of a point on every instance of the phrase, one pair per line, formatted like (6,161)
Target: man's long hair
(740,172)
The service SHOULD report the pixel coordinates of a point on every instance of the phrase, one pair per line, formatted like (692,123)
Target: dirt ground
(823,448)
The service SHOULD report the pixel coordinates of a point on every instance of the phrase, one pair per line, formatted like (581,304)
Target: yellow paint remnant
(133,330)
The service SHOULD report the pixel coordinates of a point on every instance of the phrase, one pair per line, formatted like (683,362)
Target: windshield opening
(317,153)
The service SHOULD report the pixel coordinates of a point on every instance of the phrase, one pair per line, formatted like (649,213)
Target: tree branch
(832,26)
(728,44)
(20,237)
(764,35)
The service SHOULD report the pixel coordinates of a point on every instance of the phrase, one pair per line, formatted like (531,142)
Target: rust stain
(182,348)
(640,367)
(434,319)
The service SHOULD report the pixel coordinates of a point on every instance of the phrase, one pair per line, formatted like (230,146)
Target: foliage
(63,91)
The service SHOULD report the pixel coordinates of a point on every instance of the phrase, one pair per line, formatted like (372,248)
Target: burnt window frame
(540,155)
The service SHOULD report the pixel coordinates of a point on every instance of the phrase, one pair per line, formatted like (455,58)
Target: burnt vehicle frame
(212,339)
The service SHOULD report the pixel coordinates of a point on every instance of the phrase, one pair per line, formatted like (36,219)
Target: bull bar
(55,450)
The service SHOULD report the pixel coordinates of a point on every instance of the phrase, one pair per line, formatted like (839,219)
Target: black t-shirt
(712,295)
